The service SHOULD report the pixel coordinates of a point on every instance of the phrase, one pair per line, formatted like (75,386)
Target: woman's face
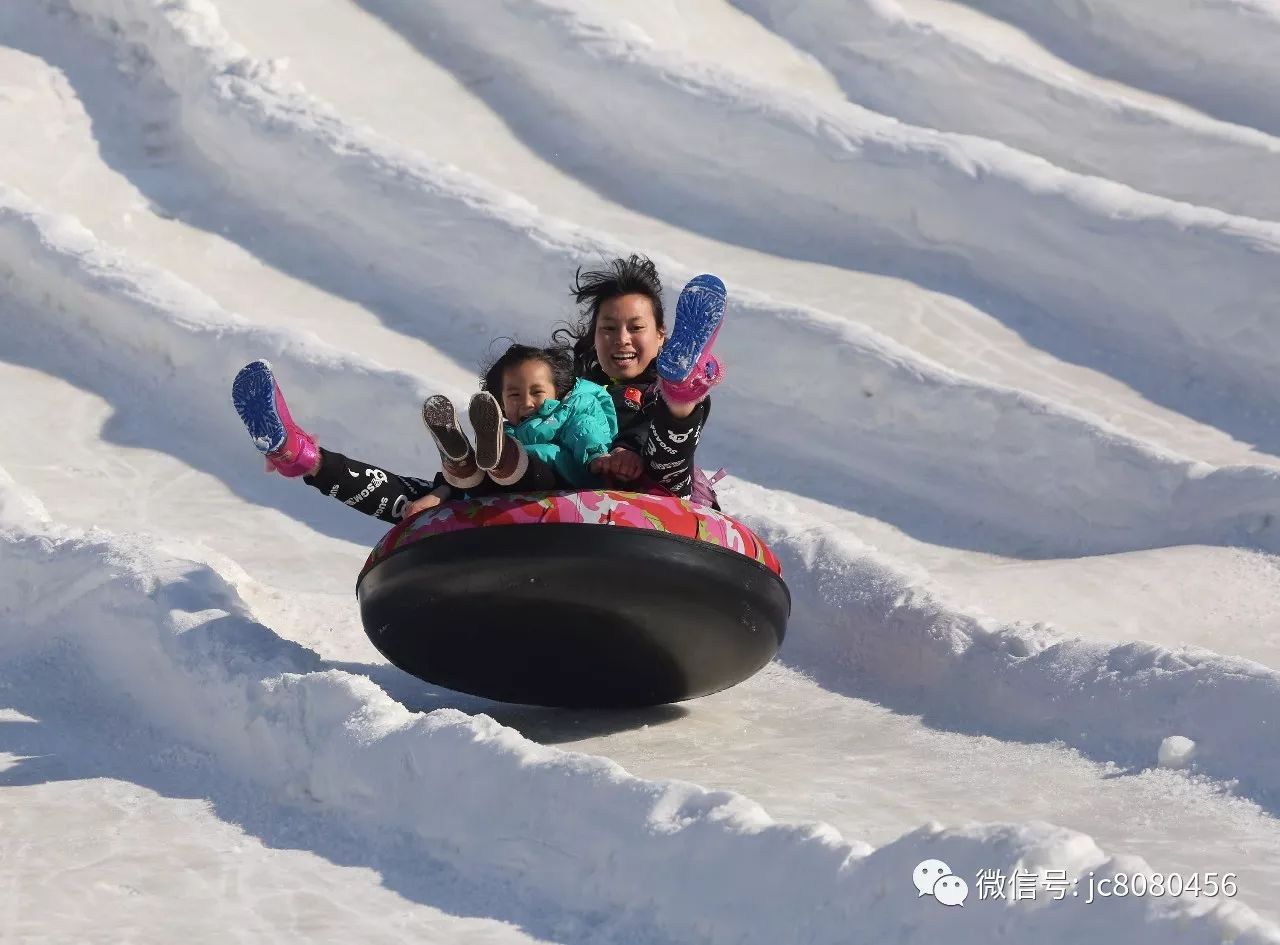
(627,336)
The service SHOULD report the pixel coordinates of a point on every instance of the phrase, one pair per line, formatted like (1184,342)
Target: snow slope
(984,570)
(1219,57)
(955,75)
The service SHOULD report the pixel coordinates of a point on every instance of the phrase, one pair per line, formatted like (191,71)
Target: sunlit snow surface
(1002,343)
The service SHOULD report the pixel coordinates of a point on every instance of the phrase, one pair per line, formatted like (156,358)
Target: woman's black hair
(557,359)
(633,275)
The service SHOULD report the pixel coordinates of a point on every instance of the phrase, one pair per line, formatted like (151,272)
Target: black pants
(669,445)
(374,491)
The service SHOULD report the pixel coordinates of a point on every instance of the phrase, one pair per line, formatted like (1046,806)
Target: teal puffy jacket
(568,434)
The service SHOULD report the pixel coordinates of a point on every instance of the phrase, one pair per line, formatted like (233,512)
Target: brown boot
(512,464)
(457,460)
(501,456)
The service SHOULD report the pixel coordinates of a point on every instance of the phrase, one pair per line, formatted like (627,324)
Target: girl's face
(524,388)
(627,336)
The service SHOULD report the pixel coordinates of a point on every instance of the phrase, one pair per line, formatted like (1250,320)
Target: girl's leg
(537,476)
(366,488)
(457,459)
(517,471)
(508,464)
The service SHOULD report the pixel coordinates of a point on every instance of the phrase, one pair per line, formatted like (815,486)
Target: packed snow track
(1004,320)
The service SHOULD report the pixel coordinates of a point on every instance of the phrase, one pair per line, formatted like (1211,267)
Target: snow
(1001,347)
(1213,56)
(951,74)
(1176,752)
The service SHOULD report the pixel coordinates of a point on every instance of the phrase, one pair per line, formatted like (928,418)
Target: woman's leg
(671,444)
(292,452)
(367,488)
(687,370)
(289,450)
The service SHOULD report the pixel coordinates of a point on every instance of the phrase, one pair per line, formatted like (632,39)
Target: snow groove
(574,829)
(929,75)
(826,184)
(1219,57)
(866,626)
(110,634)
(162,343)
(1045,480)
(273,129)
(176,348)
(1135,285)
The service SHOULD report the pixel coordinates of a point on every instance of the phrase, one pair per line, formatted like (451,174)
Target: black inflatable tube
(574,615)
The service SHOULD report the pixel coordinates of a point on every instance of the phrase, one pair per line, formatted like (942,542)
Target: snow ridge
(1135,286)
(1043,478)
(164,343)
(865,625)
(176,347)
(269,713)
(870,426)
(942,78)
(1219,57)
(819,177)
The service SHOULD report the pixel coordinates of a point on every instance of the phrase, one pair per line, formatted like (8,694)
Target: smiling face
(627,336)
(524,387)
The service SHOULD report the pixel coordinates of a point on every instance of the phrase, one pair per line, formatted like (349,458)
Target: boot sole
(699,312)
(486,421)
(441,420)
(253,394)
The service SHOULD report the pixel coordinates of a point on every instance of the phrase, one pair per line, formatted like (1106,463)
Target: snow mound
(865,625)
(1176,751)
(1219,57)
(948,79)
(93,614)
(825,185)
(820,176)
(1041,478)
(1118,702)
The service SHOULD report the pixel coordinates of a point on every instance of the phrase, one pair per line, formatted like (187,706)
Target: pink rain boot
(687,370)
(289,450)
(696,386)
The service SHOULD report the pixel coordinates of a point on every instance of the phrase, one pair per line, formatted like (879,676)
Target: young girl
(556,430)
(658,385)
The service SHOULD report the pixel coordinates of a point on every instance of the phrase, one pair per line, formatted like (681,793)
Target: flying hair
(633,275)
(557,359)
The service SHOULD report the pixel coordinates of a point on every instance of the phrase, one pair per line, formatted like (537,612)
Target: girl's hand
(428,501)
(622,464)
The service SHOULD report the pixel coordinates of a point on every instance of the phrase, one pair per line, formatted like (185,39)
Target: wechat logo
(934,878)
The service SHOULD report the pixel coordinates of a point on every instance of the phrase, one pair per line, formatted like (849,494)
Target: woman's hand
(428,501)
(622,463)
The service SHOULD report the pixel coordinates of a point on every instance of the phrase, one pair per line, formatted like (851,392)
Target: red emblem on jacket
(632,395)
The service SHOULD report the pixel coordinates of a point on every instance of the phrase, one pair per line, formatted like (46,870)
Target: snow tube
(581,599)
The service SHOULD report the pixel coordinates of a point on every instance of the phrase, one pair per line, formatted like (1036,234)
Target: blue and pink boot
(289,450)
(687,370)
